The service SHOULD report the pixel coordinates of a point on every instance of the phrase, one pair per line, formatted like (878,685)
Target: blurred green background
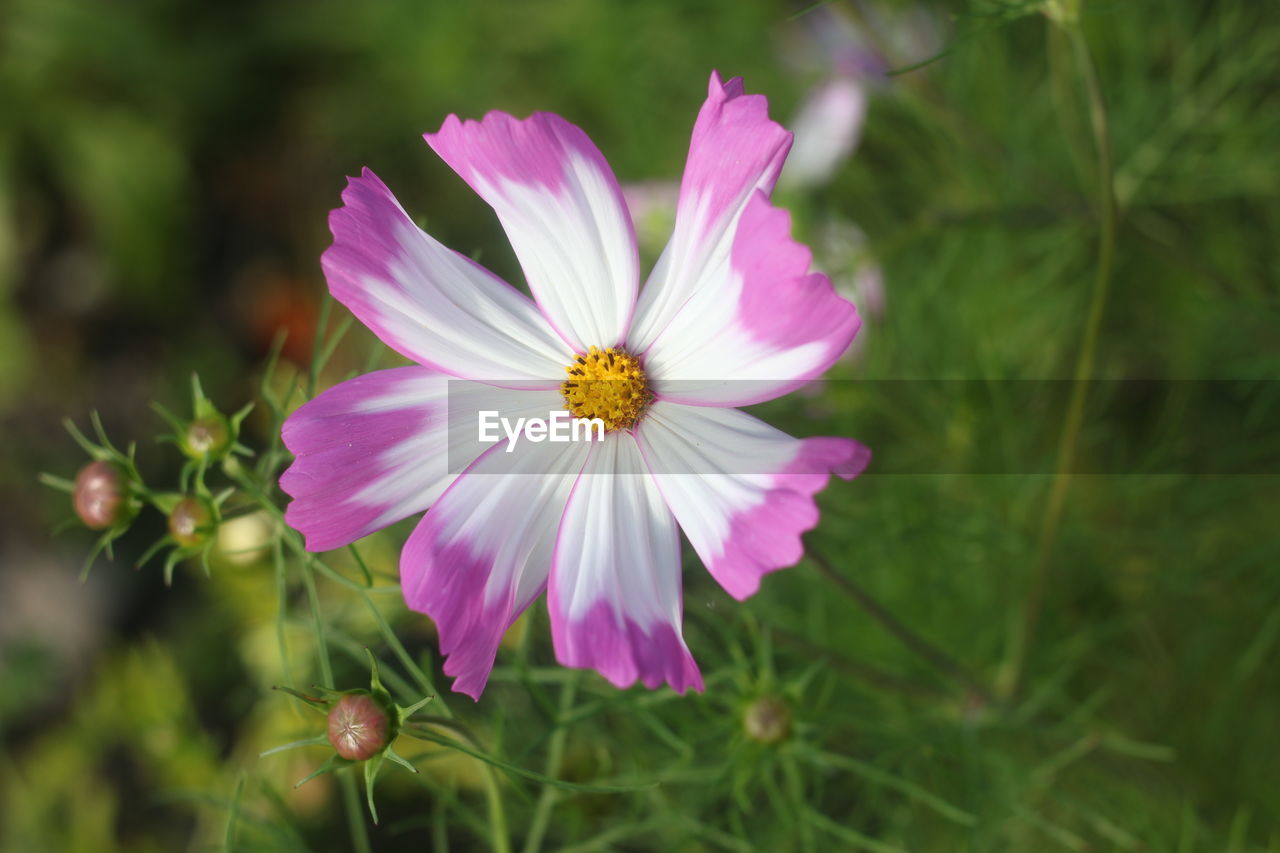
(1106,682)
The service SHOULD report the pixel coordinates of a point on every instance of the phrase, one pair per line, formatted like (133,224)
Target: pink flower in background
(827,128)
(829,121)
(850,62)
(730,316)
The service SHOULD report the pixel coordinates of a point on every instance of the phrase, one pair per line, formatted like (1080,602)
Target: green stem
(317,345)
(555,755)
(310,561)
(498,835)
(233,816)
(355,813)
(1025,629)
(317,625)
(350,797)
(493,793)
(909,638)
(282,608)
(402,654)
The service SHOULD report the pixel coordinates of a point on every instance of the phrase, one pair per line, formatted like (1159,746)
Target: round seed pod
(359,728)
(101,497)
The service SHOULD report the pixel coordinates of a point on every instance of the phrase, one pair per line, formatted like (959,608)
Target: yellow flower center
(607,384)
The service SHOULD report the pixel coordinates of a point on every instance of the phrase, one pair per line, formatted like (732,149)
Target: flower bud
(767,720)
(206,437)
(189,521)
(100,496)
(359,728)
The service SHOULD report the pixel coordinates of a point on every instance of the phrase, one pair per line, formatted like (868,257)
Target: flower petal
(429,303)
(765,327)
(483,552)
(741,490)
(562,209)
(380,447)
(735,151)
(615,596)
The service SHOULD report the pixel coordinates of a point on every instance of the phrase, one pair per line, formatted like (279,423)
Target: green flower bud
(359,727)
(767,720)
(101,497)
(190,521)
(207,437)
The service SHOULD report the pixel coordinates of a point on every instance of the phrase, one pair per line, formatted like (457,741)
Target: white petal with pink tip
(735,150)
(428,303)
(563,212)
(483,553)
(614,595)
(383,446)
(741,490)
(761,328)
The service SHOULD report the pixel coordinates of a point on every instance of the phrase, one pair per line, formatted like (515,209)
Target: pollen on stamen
(608,384)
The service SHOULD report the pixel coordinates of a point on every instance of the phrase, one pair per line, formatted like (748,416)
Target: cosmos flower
(731,315)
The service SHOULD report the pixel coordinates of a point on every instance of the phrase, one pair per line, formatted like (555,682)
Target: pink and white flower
(730,316)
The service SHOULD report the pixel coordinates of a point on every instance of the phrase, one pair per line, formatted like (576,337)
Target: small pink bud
(189,521)
(206,436)
(358,727)
(99,496)
(767,720)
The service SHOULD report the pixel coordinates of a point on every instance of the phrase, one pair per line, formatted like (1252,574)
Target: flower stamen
(608,384)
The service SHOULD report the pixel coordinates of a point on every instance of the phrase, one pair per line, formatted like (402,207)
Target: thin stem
(282,608)
(499,839)
(355,813)
(233,816)
(872,675)
(1025,629)
(498,836)
(310,563)
(317,345)
(909,638)
(439,825)
(555,755)
(317,625)
(384,627)
(350,797)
